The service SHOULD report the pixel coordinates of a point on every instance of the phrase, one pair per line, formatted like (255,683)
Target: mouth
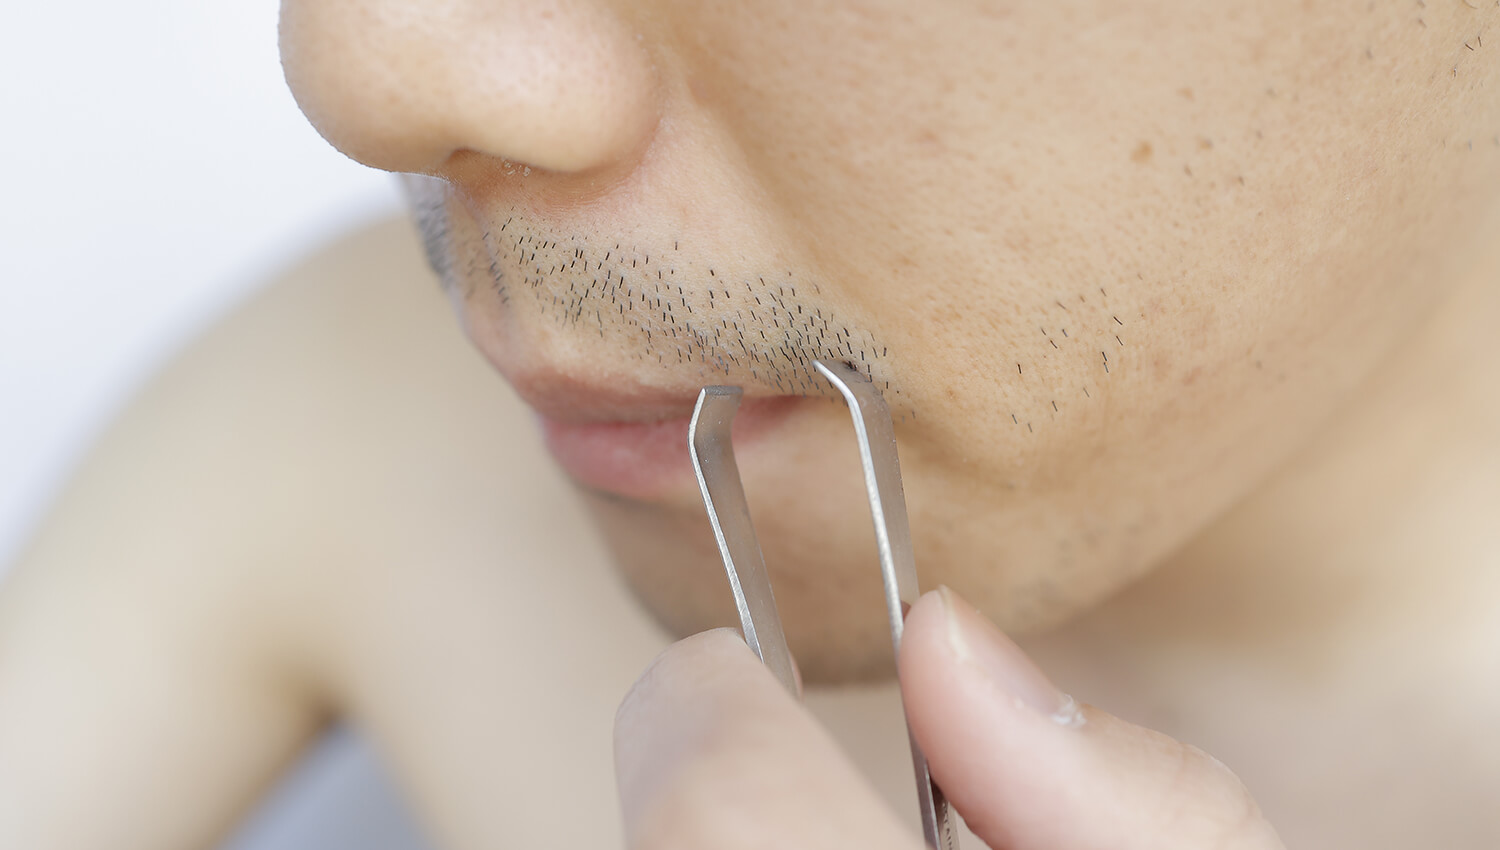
(632,441)
(609,341)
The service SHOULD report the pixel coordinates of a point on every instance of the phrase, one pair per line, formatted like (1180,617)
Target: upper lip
(571,399)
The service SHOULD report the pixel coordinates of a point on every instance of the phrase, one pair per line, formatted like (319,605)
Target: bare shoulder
(284,444)
(177,627)
(328,503)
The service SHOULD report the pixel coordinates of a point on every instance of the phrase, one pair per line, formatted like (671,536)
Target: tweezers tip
(721,402)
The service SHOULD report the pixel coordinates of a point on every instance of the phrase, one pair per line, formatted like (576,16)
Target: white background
(155,170)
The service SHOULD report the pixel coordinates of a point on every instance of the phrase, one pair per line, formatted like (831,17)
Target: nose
(402,85)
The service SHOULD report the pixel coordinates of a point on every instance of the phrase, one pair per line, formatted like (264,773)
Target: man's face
(1110,261)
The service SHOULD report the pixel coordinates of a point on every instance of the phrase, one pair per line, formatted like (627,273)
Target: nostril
(560,87)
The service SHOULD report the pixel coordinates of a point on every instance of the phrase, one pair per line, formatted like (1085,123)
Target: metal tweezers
(729,513)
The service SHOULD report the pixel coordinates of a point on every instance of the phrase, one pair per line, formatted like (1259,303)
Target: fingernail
(993,656)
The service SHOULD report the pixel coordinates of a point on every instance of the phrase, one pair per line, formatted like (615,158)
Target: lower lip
(647,460)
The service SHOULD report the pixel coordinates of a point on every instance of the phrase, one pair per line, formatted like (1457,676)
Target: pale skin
(330,507)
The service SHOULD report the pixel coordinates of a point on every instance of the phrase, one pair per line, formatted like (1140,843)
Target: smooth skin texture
(329,508)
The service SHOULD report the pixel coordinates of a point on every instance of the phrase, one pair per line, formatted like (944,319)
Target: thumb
(1028,768)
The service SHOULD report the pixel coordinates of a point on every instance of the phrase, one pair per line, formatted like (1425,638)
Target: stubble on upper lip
(594,329)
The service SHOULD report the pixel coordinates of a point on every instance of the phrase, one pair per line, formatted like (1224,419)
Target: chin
(835,623)
(828,587)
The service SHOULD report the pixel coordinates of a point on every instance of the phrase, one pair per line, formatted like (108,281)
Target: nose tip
(562,86)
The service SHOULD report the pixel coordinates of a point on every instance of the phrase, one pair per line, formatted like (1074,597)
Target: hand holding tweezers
(729,514)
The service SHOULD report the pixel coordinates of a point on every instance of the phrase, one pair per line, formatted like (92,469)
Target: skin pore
(1114,262)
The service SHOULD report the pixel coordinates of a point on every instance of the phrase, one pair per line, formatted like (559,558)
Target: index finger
(711,751)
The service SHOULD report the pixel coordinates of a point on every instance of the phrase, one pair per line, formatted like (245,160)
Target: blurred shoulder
(333,425)
(353,350)
(345,386)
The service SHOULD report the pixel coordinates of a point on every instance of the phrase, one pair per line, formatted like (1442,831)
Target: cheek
(1168,161)
(1134,290)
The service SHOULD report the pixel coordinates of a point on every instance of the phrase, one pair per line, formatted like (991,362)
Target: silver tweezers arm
(729,514)
(898,566)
